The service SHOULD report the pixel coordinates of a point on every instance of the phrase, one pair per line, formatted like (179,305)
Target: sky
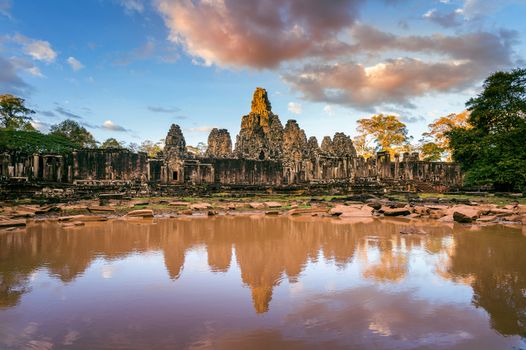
(128,69)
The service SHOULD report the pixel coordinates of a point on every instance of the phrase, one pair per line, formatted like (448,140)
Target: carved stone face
(219,143)
(175,144)
(261,106)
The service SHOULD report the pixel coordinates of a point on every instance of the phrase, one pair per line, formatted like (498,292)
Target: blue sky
(130,68)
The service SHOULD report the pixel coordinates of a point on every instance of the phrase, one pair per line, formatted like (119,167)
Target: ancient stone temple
(261,134)
(266,154)
(219,144)
(175,144)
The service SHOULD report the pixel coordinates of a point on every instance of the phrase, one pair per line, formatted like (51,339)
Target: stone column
(74,155)
(60,168)
(397,166)
(35,165)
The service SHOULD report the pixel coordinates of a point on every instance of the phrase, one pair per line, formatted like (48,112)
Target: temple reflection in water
(268,250)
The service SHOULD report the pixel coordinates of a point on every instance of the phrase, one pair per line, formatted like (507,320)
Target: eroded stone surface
(313,149)
(326,145)
(175,144)
(219,144)
(294,142)
(145,213)
(261,133)
(342,146)
(266,154)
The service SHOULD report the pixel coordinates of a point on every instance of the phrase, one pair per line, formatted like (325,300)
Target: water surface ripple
(262,283)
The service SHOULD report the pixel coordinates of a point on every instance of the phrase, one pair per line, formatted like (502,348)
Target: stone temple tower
(219,144)
(175,144)
(261,134)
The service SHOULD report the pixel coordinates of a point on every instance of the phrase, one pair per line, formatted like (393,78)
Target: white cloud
(74,63)
(429,13)
(10,81)
(446,20)
(107,271)
(328,110)
(257,33)
(39,50)
(131,6)
(294,107)
(161,109)
(479,8)
(35,71)
(109,125)
(26,65)
(40,125)
(201,129)
(465,59)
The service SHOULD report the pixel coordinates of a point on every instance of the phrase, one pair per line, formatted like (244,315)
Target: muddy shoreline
(15,216)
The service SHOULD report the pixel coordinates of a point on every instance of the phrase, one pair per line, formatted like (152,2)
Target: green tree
(74,132)
(112,143)
(134,147)
(387,132)
(14,115)
(493,151)
(150,147)
(29,142)
(438,130)
(501,106)
(198,150)
(364,145)
(431,151)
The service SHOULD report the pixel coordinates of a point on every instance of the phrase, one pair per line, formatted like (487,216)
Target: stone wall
(79,165)
(112,165)
(266,154)
(109,164)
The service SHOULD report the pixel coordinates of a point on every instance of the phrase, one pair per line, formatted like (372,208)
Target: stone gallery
(265,154)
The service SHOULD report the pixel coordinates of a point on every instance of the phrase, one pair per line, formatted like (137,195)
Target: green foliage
(112,143)
(150,147)
(198,150)
(493,152)
(72,131)
(387,131)
(33,142)
(431,152)
(14,115)
(501,106)
(438,130)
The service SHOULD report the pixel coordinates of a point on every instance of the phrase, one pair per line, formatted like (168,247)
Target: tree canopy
(74,132)
(501,106)
(14,115)
(434,145)
(112,143)
(493,151)
(33,142)
(386,132)
(150,147)
(198,150)
(431,151)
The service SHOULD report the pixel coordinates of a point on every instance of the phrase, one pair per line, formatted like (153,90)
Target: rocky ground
(461,210)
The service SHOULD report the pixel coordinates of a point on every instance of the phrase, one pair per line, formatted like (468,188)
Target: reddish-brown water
(262,283)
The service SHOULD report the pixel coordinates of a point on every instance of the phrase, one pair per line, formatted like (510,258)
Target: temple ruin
(266,154)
